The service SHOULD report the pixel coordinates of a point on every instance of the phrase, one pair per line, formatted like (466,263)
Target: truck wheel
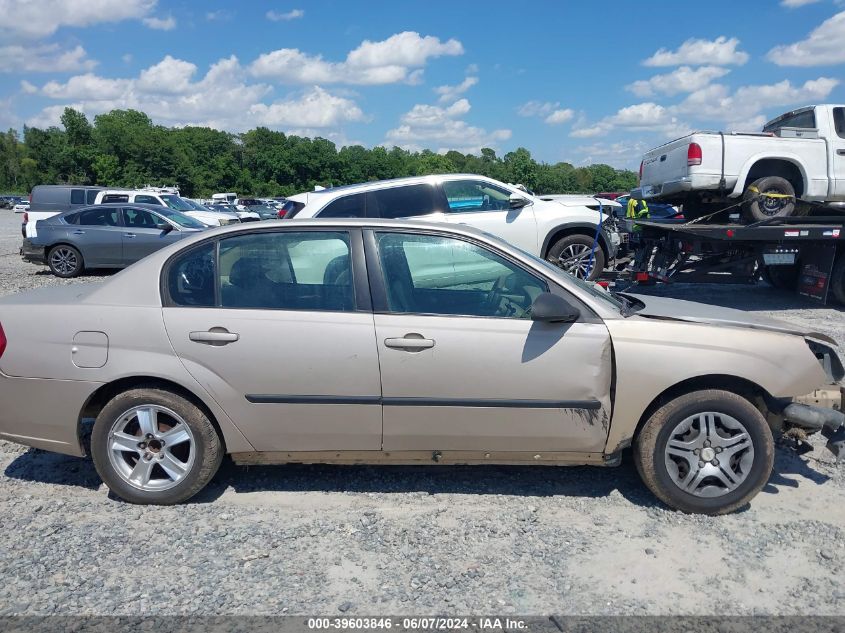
(782,277)
(572,254)
(837,279)
(152,446)
(706,452)
(65,261)
(759,207)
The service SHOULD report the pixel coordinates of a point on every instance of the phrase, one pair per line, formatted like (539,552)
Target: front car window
(429,274)
(401,202)
(306,270)
(467,196)
(147,200)
(139,219)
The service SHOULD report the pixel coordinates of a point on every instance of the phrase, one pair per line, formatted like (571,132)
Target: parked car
(264,211)
(48,200)
(800,153)
(170,200)
(108,235)
(565,235)
(21,207)
(656,210)
(393,354)
(243,215)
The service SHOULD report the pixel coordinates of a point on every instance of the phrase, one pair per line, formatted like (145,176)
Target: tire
(158,470)
(572,254)
(65,261)
(751,459)
(758,207)
(782,277)
(837,278)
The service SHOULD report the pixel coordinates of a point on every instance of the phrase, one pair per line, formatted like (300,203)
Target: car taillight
(25,217)
(30,199)
(2,340)
(282,213)
(693,154)
(642,162)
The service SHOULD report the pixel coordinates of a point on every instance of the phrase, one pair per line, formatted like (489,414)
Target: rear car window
(290,208)
(91,196)
(839,121)
(345,207)
(115,197)
(191,278)
(805,120)
(401,202)
(77,196)
(99,217)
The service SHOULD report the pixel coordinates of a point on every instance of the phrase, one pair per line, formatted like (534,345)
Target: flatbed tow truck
(805,254)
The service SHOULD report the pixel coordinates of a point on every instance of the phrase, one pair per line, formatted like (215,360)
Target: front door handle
(841,152)
(79,232)
(128,235)
(214,336)
(410,342)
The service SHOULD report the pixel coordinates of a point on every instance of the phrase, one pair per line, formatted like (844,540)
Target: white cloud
(127,58)
(537,108)
(276,16)
(441,129)
(793,4)
(28,88)
(384,62)
(560,116)
(315,109)
(451,93)
(218,16)
(160,24)
(169,94)
(621,154)
(748,103)
(683,79)
(822,47)
(697,52)
(647,116)
(32,19)
(43,58)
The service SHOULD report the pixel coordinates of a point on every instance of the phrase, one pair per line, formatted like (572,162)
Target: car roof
(117,205)
(392,182)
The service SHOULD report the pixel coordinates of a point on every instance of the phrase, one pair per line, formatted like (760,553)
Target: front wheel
(65,261)
(706,452)
(152,446)
(572,254)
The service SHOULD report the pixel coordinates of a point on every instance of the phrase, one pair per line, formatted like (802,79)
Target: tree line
(123,148)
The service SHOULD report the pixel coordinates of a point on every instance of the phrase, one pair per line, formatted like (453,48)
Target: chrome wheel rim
(574,259)
(709,454)
(64,261)
(151,448)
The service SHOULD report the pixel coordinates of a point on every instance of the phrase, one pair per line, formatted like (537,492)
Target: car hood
(692,312)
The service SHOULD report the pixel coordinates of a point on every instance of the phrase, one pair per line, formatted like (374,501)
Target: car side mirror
(517,202)
(164,227)
(550,308)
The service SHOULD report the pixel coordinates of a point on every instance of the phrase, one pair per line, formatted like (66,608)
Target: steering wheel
(498,294)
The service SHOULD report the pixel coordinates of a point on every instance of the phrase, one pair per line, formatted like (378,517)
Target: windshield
(180,219)
(194,204)
(177,203)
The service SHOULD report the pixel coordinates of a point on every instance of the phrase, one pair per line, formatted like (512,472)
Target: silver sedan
(368,341)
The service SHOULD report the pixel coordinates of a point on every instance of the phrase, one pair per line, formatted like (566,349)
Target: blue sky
(570,80)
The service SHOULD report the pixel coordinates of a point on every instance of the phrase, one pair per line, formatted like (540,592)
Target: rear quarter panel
(653,355)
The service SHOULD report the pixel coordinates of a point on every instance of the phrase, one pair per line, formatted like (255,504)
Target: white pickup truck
(800,154)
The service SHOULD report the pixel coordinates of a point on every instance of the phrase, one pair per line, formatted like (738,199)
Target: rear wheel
(65,261)
(572,254)
(152,446)
(706,452)
(769,197)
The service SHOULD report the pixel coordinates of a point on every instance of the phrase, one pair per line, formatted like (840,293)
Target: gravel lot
(421,540)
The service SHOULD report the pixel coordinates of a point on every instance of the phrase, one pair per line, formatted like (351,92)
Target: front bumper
(32,253)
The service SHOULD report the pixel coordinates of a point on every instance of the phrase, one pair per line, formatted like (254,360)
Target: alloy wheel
(151,447)
(575,259)
(64,261)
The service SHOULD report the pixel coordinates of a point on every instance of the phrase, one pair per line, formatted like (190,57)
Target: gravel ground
(422,540)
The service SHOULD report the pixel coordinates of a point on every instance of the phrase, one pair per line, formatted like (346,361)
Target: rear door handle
(79,232)
(214,336)
(410,342)
(128,235)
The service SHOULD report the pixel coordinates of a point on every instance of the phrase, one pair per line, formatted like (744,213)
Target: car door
(486,206)
(463,366)
(97,235)
(141,235)
(837,144)
(277,327)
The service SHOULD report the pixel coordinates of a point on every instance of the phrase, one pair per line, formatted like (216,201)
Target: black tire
(782,277)
(837,278)
(65,261)
(205,443)
(577,242)
(758,207)
(652,441)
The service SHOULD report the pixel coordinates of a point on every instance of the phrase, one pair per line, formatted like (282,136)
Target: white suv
(563,234)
